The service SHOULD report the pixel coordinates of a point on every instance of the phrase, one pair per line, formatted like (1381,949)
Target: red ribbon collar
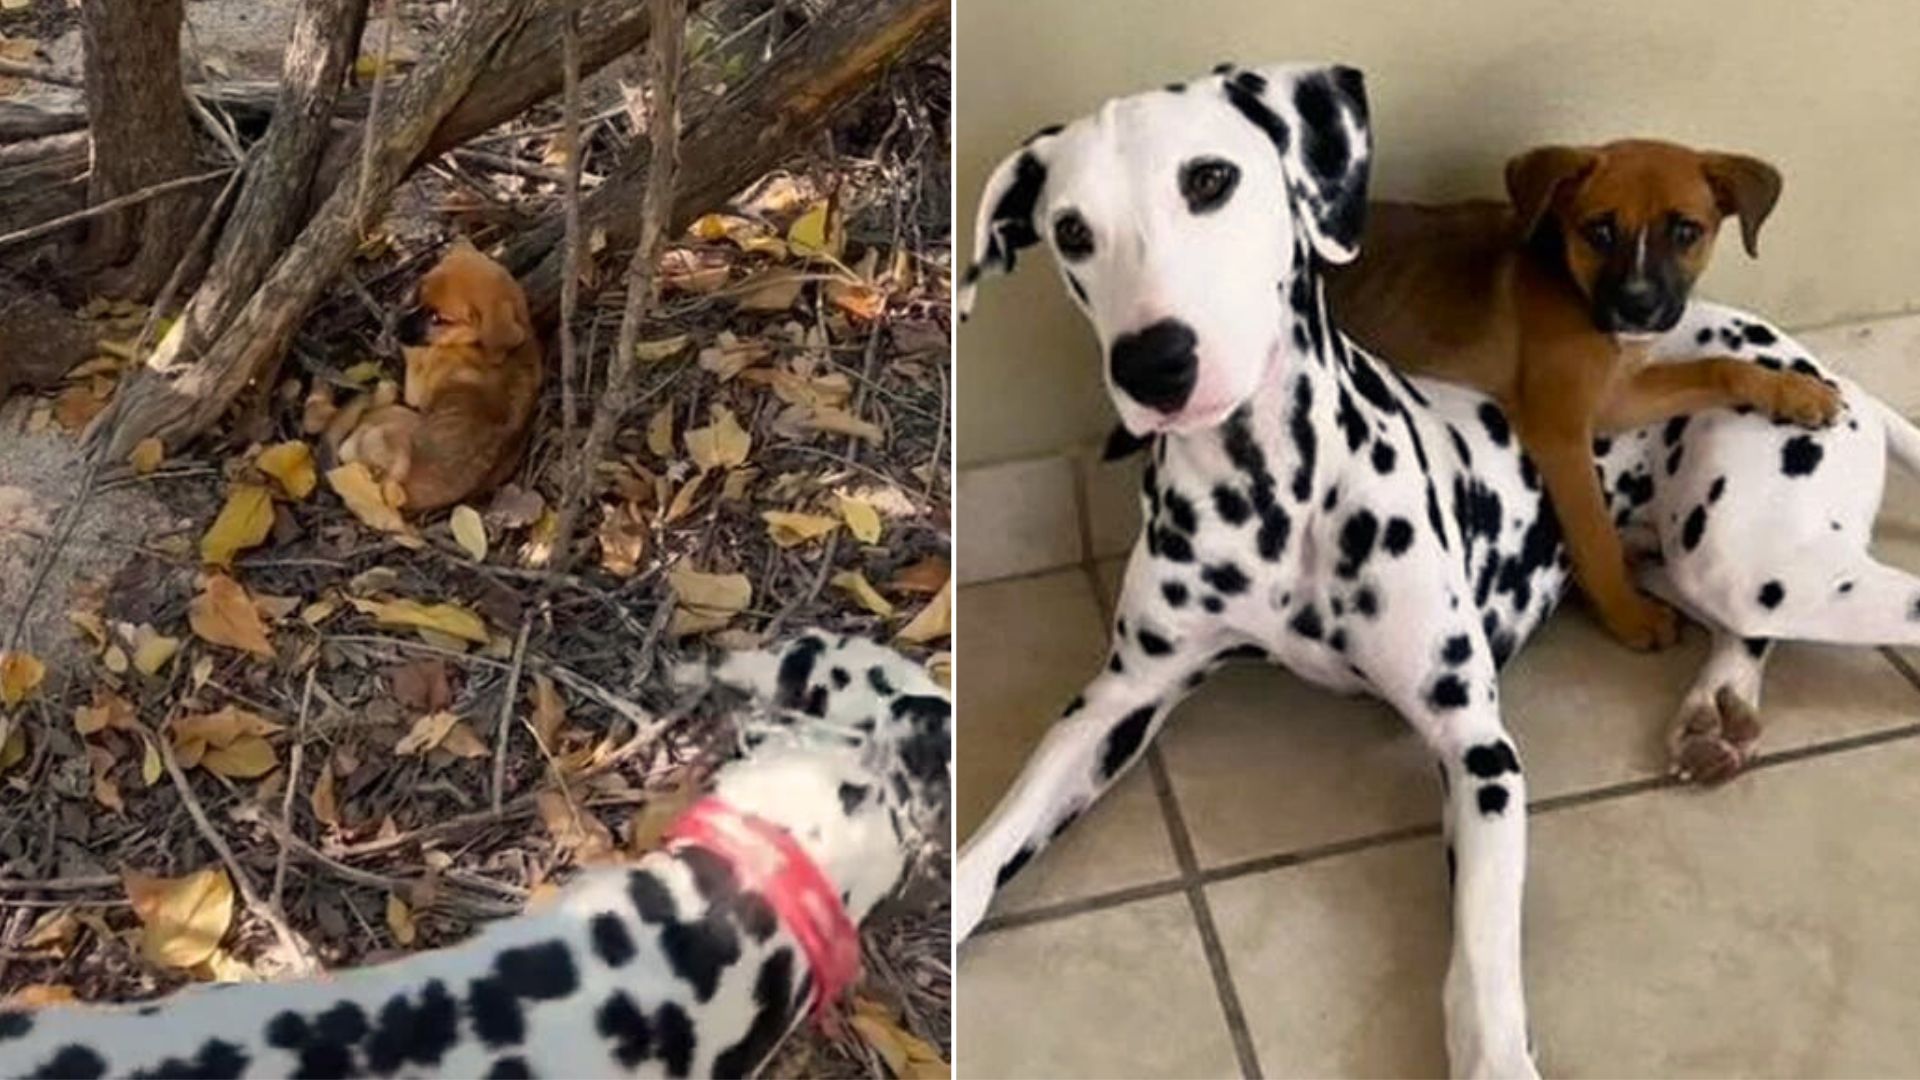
(767,859)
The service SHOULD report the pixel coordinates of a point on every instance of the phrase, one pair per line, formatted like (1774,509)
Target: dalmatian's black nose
(1156,366)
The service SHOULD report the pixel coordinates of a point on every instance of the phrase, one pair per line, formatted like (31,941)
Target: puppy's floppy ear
(503,322)
(1746,186)
(1535,176)
(1004,222)
(1316,116)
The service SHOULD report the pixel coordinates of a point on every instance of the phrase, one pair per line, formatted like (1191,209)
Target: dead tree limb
(751,131)
(176,402)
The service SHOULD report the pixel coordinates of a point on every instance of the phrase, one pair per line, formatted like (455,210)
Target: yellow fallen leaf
(20,675)
(243,523)
(468,531)
(940,669)
(151,766)
(816,232)
(856,583)
(400,921)
(706,601)
(223,614)
(152,649)
(40,995)
(291,466)
(908,1056)
(427,732)
(863,521)
(14,750)
(723,444)
(660,432)
(934,622)
(224,967)
(197,736)
(245,758)
(323,800)
(790,529)
(361,492)
(446,618)
(843,422)
(666,348)
(78,405)
(147,455)
(183,918)
(683,500)
(100,763)
(108,710)
(115,659)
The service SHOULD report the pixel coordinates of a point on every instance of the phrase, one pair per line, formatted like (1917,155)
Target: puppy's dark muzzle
(413,326)
(1636,307)
(1156,366)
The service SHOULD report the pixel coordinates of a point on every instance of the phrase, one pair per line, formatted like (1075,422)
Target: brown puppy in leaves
(1551,304)
(473,378)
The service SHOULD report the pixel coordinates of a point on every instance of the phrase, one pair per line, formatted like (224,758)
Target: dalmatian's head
(1181,219)
(848,744)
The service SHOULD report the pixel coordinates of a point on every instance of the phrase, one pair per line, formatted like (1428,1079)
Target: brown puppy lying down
(1550,305)
(473,377)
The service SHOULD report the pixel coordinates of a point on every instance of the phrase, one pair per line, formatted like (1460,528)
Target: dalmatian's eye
(1685,232)
(1599,234)
(1072,237)
(1207,185)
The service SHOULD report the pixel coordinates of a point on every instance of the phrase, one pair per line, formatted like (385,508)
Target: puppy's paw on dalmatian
(1641,623)
(1803,400)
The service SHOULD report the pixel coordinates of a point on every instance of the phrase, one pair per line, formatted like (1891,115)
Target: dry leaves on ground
(224,614)
(182,919)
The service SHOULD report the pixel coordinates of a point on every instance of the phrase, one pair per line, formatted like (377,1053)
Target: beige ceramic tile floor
(1266,895)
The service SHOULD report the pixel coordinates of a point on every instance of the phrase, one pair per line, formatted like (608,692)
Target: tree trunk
(753,130)
(175,403)
(137,113)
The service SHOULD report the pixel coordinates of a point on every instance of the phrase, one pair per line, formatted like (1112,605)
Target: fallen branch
(131,198)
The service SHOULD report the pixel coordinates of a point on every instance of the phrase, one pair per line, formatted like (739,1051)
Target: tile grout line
(1900,664)
(1303,856)
(1194,886)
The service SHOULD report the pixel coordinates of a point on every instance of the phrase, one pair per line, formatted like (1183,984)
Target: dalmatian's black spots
(1448,692)
(1275,529)
(1460,448)
(1213,604)
(1180,512)
(73,1062)
(651,898)
(1731,338)
(924,750)
(1122,443)
(852,797)
(1225,67)
(773,1006)
(495,1012)
(410,1031)
(1495,422)
(626,1028)
(14,1024)
(1012,867)
(1674,429)
(1703,336)
(1492,799)
(1226,577)
(1383,457)
(1305,439)
(216,1059)
(1771,363)
(1602,446)
(1716,489)
(1433,516)
(1453,868)
(1174,593)
(1636,487)
(1674,457)
(1357,536)
(1327,149)
(1230,506)
(1116,665)
(1123,742)
(1366,602)
(1398,536)
(1476,509)
(700,951)
(1844,588)
(1352,424)
(1174,547)
(1771,594)
(1010,226)
(511,1067)
(1457,650)
(1153,644)
(611,942)
(1756,646)
(1491,760)
(1800,456)
(1175,88)
(1331,499)
(1694,528)
(796,671)
(1243,93)
(1758,335)
(1306,623)
(841,678)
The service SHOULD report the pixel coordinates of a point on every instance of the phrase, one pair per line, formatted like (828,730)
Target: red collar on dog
(766,859)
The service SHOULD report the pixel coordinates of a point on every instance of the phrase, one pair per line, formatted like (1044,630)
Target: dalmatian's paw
(1804,400)
(1645,624)
(1712,742)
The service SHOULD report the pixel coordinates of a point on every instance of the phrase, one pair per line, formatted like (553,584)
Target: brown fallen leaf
(427,733)
(223,614)
(549,712)
(574,829)
(100,763)
(843,422)
(421,685)
(355,485)
(623,539)
(646,828)
(400,921)
(197,736)
(39,996)
(77,405)
(245,758)
(908,1056)
(721,445)
(463,742)
(323,799)
(182,919)
(660,433)
(108,710)
(146,456)
(934,622)
(20,674)
(706,601)
(926,577)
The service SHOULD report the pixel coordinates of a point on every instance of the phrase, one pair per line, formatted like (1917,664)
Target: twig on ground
(293,785)
(506,712)
(131,198)
(664,50)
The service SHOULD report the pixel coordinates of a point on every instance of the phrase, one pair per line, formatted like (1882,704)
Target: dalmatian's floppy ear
(1004,223)
(1317,119)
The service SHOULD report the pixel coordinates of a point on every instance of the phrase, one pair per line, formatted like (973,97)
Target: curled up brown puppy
(473,379)
(1550,303)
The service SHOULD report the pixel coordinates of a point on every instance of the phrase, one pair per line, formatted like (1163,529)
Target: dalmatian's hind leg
(1099,735)
(1713,736)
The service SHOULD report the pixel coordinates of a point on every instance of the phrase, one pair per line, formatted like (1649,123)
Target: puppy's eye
(1599,234)
(1208,184)
(1072,237)
(1685,232)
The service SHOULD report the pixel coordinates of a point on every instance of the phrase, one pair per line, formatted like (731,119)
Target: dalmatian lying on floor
(691,963)
(1305,503)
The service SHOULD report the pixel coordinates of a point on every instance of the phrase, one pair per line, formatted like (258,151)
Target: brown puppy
(1550,305)
(473,376)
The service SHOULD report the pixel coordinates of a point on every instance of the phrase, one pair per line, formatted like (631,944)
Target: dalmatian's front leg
(1099,735)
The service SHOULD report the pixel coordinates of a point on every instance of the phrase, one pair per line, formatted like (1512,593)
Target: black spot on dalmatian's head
(1173,216)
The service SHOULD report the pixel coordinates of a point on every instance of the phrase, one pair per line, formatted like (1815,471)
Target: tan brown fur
(472,382)
(1468,292)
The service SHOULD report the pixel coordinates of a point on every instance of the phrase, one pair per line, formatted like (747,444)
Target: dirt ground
(372,850)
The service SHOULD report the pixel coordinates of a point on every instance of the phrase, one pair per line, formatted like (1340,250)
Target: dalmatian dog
(693,962)
(1306,504)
